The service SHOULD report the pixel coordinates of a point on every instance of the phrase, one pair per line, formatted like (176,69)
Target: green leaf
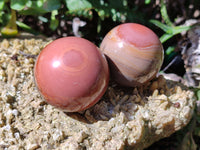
(147,1)
(4,17)
(50,5)
(75,5)
(170,31)
(162,26)
(43,19)
(35,4)
(2,4)
(79,8)
(165,37)
(164,14)
(169,50)
(99,26)
(54,22)
(18,4)
(179,29)
(1,16)
(26,28)
(103,13)
(198,94)
(39,7)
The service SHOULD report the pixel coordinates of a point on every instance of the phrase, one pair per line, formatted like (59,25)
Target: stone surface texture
(131,118)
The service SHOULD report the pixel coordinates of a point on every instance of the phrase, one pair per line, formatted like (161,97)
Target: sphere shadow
(117,99)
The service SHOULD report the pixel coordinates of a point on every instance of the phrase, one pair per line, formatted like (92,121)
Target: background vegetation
(94,18)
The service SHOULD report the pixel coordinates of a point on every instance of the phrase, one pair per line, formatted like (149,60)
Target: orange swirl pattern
(134,52)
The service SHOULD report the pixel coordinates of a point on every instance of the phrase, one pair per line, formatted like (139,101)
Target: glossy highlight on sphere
(71,74)
(134,52)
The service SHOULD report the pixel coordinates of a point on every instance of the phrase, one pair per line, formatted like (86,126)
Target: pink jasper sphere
(134,52)
(71,74)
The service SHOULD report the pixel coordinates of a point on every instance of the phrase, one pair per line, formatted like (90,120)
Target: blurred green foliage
(118,10)
(169,28)
(28,7)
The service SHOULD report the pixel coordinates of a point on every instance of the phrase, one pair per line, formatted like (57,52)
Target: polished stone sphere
(134,52)
(71,73)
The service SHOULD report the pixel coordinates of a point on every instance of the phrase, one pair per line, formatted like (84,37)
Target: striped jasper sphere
(71,73)
(134,52)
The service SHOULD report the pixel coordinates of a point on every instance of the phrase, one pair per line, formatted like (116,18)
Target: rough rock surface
(131,118)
